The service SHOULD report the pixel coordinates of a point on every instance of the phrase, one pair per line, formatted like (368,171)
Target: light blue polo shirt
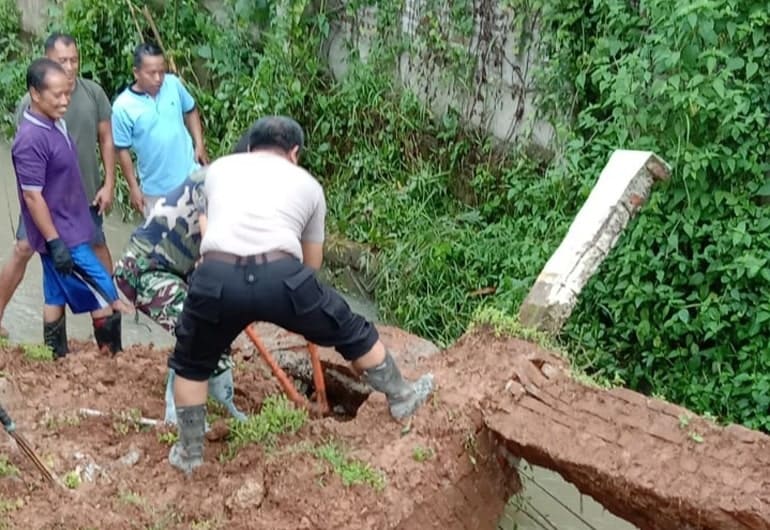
(154,128)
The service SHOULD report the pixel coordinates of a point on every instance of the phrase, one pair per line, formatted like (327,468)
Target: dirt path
(642,458)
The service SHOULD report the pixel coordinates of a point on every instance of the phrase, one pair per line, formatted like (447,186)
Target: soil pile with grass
(452,466)
(279,470)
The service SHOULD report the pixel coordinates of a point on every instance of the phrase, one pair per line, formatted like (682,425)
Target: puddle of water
(532,510)
(548,502)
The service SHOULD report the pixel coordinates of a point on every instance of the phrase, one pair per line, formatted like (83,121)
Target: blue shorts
(87,289)
(98,239)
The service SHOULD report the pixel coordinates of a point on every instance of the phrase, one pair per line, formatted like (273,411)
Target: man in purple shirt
(56,214)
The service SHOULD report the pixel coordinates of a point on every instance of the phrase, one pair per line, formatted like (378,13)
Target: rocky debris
(248,496)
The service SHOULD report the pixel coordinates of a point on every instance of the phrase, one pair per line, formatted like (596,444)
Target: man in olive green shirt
(88,122)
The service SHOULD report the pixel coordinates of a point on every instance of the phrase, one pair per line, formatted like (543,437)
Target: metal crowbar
(321,403)
(26,448)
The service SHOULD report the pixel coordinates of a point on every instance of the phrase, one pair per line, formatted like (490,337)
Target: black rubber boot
(107,332)
(55,336)
(404,397)
(187,453)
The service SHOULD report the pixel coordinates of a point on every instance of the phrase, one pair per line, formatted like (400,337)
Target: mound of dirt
(441,470)
(452,466)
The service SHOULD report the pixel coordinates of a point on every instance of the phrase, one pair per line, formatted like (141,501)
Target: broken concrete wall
(622,188)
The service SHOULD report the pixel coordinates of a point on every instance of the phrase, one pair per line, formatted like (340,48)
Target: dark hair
(56,36)
(145,48)
(276,132)
(38,70)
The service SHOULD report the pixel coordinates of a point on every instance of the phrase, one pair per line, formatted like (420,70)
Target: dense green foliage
(681,306)
(13,60)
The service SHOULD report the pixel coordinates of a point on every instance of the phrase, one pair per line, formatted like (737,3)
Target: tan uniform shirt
(260,202)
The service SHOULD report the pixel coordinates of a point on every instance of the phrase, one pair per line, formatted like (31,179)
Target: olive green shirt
(88,107)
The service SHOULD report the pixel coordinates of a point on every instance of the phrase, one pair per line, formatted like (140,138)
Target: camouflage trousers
(158,294)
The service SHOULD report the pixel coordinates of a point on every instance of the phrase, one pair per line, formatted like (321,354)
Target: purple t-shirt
(45,159)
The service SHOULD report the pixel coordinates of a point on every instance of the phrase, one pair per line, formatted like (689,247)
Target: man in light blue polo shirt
(156,117)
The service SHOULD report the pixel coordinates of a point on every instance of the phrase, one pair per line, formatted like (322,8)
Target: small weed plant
(72,479)
(350,470)
(37,352)
(422,454)
(277,416)
(7,469)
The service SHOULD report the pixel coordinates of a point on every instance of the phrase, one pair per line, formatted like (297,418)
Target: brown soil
(461,486)
(652,463)
(631,453)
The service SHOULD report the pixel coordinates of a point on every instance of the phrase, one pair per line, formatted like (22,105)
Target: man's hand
(137,199)
(61,256)
(201,156)
(103,199)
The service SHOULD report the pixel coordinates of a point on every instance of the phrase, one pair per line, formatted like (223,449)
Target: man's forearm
(193,122)
(127,166)
(312,254)
(107,150)
(40,213)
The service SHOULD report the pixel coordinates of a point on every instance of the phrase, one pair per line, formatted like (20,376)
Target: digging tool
(26,448)
(321,403)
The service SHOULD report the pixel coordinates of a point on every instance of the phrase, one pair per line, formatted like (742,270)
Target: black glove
(60,254)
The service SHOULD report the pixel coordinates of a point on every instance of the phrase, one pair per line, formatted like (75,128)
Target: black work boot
(55,336)
(107,332)
(187,453)
(404,397)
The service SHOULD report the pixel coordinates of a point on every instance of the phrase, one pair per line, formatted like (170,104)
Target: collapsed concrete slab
(652,463)
(623,187)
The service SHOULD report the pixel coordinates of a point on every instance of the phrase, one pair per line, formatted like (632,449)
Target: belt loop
(263,258)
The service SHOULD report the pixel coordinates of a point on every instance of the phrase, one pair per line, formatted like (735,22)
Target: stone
(248,497)
(131,458)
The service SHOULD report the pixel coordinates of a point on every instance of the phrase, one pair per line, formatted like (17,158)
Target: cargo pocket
(338,310)
(204,299)
(304,291)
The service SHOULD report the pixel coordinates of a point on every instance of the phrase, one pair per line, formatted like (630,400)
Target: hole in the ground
(344,392)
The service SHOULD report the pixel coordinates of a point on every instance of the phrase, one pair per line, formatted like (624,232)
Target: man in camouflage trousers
(155,269)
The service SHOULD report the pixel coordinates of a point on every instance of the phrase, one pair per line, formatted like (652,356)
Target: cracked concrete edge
(621,190)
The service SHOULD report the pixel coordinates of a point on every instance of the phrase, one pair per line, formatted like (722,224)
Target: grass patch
(130,498)
(215,410)
(504,324)
(37,352)
(421,454)
(168,438)
(128,421)
(165,521)
(6,468)
(277,416)
(8,506)
(350,470)
(205,524)
(54,422)
(72,480)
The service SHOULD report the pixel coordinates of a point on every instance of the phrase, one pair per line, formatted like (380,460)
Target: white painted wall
(34,15)
(506,108)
